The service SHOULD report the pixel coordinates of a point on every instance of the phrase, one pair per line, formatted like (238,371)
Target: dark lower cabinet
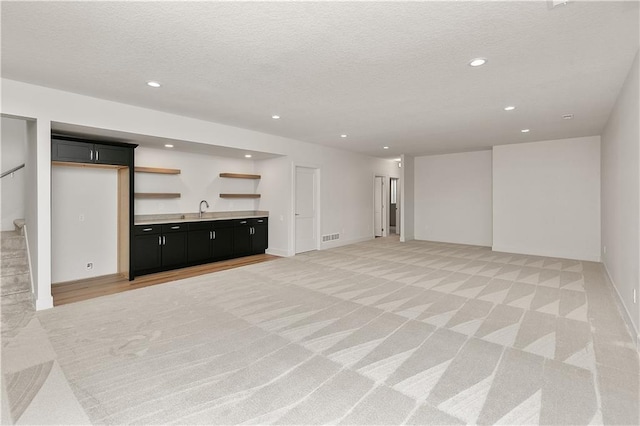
(250,237)
(147,251)
(199,246)
(175,245)
(209,241)
(260,237)
(242,238)
(159,247)
(222,242)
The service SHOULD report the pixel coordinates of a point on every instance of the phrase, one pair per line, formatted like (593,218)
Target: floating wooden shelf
(239,195)
(239,176)
(158,170)
(157,195)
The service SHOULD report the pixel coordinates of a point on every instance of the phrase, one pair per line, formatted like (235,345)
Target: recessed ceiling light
(153,84)
(509,108)
(385,147)
(343,136)
(525,130)
(477,62)
(275,117)
(247,156)
(567,116)
(168,145)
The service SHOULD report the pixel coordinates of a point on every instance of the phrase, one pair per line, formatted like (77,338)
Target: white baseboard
(635,333)
(557,254)
(43,303)
(340,243)
(278,252)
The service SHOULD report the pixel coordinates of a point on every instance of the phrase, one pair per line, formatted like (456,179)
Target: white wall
(407,199)
(546,198)
(199,180)
(84,213)
(345,182)
(621,194)
(13,152)
(453,198)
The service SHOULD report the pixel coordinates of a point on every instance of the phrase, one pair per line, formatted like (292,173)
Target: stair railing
(11,171)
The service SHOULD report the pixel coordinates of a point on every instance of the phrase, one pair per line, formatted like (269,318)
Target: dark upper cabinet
(108,154)
(73,151)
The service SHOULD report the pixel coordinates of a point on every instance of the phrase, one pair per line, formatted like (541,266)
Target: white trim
(385,203)
(278,252)
(558,254)
(339,243)
(635,333)
(26,240)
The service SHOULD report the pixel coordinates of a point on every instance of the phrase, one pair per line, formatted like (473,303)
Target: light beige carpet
(375,333)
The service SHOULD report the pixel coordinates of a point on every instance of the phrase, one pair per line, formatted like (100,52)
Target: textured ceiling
(390,73)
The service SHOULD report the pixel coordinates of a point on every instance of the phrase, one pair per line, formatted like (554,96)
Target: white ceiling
(390,73)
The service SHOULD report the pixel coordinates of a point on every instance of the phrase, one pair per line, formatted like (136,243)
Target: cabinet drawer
(146,229)
(174,227)
(241,222)
(259,221)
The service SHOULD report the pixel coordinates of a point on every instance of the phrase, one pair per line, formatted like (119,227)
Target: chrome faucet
(200,208)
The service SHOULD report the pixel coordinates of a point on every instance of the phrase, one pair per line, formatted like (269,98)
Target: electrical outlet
(89,266)
(81,218)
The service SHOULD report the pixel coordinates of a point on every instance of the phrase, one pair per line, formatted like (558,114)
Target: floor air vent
(330,237)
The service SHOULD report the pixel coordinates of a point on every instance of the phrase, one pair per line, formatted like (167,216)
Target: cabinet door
(259,240)
(223,243)
(174,249)
(107,154)
(242,240)
(70,151)
(199,245)
(147,252)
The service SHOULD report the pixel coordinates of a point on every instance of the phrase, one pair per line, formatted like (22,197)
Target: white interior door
(306,209)
(378,197)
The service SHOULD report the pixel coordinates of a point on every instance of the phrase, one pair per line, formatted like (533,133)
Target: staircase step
(14,253)
(12,240)
(13,266)
(15,284)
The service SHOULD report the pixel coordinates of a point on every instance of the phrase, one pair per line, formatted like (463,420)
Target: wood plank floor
(75,291)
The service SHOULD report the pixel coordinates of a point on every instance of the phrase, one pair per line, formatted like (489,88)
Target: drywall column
(621,197)
(453,198)
(407,191)
(38,209)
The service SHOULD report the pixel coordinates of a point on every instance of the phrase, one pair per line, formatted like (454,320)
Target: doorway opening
(379,227)
(394,204)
